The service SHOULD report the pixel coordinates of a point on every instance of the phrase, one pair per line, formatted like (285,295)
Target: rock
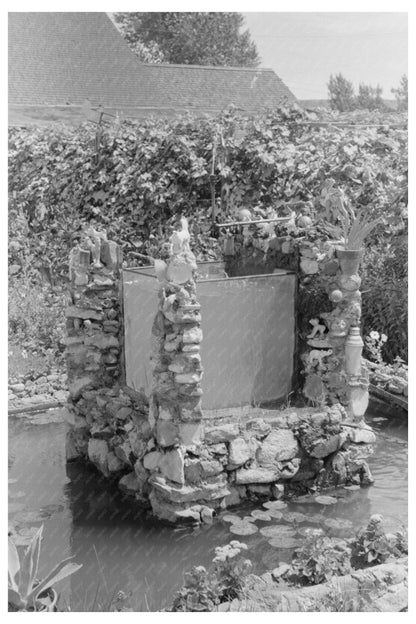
(18,387)
(114,463)
(362,435)
(166,433)
(186,493)
(278,490)
(192,335)
(218,449)
(98,454)
(277,446)
(310,267)
(123,413)
(129,484)
(78,385)
(258,427)
(260,490)
(326,446)
(278,572)
(188,378)
(82,313)
(239,452)
(171,465)
(221,433)
(102,341)
(207,515)
(151,460)
(123,452)
(256,475)
(210,468)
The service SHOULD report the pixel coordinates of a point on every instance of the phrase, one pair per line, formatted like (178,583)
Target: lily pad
(294,516)
(275,505)
(277,530)
(248,519)
(304,500)
(275,513)
(231,518)
(326,500)
(258,514)
(338,527)
(243,528)
(310,531)
(352,488)
(284,542)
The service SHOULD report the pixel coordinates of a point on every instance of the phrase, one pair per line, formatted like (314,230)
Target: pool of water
(122,548)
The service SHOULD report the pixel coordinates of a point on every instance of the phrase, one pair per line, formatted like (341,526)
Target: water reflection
(122,547)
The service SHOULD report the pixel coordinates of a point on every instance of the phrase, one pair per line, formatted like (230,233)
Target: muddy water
(124,549)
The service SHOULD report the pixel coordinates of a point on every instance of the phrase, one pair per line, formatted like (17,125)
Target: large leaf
(64,569)
(15,599)
(14,564)
(29,565)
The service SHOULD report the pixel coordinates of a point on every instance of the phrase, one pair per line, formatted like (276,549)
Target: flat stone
(218,449)
(78,385)
(171,465)
(102,341)
(151,460)
(256,475)
(19,387)
(326,446)
(362,435)
(129,484)
(239,452)
(186,493)
(114,463)
(98,454)
(221,433)
(278,446)
(167,433)
(124,413)
(192,335)
(310,267)
(188,378)
(83,313)
(191,433)
(258,427)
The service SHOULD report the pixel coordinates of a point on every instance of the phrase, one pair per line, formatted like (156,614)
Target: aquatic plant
(26,592)
(319,559)
(373,545)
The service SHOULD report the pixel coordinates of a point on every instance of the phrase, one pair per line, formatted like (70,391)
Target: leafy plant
(25,590)
(373,546)
(203,589)
(319,559)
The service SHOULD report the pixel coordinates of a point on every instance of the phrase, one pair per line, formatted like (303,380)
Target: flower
(374,335)
(383,338)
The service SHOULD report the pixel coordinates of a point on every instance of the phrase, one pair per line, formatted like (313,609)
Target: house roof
(60,59)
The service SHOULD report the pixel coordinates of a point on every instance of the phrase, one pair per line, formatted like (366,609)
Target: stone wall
(164,450)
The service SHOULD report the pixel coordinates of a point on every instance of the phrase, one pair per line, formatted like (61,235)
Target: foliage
(24,588)
(373,546)
(319,559)
(36,318)
(402,93)
(134,177)
(203,589)
(374,343)
(350,227)
(341,93)
(189,38)
(369,97)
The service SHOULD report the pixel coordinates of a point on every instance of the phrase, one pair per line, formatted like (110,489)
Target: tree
(189,38)
(401,94)
(370,97)
(341,93)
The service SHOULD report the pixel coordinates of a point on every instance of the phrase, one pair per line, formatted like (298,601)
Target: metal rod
(276,220)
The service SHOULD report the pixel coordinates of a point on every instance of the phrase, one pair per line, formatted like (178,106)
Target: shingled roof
(61,59)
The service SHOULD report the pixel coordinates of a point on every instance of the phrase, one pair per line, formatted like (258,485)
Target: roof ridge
(218,67)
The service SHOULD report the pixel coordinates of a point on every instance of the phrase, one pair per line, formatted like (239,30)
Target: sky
(304,49)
